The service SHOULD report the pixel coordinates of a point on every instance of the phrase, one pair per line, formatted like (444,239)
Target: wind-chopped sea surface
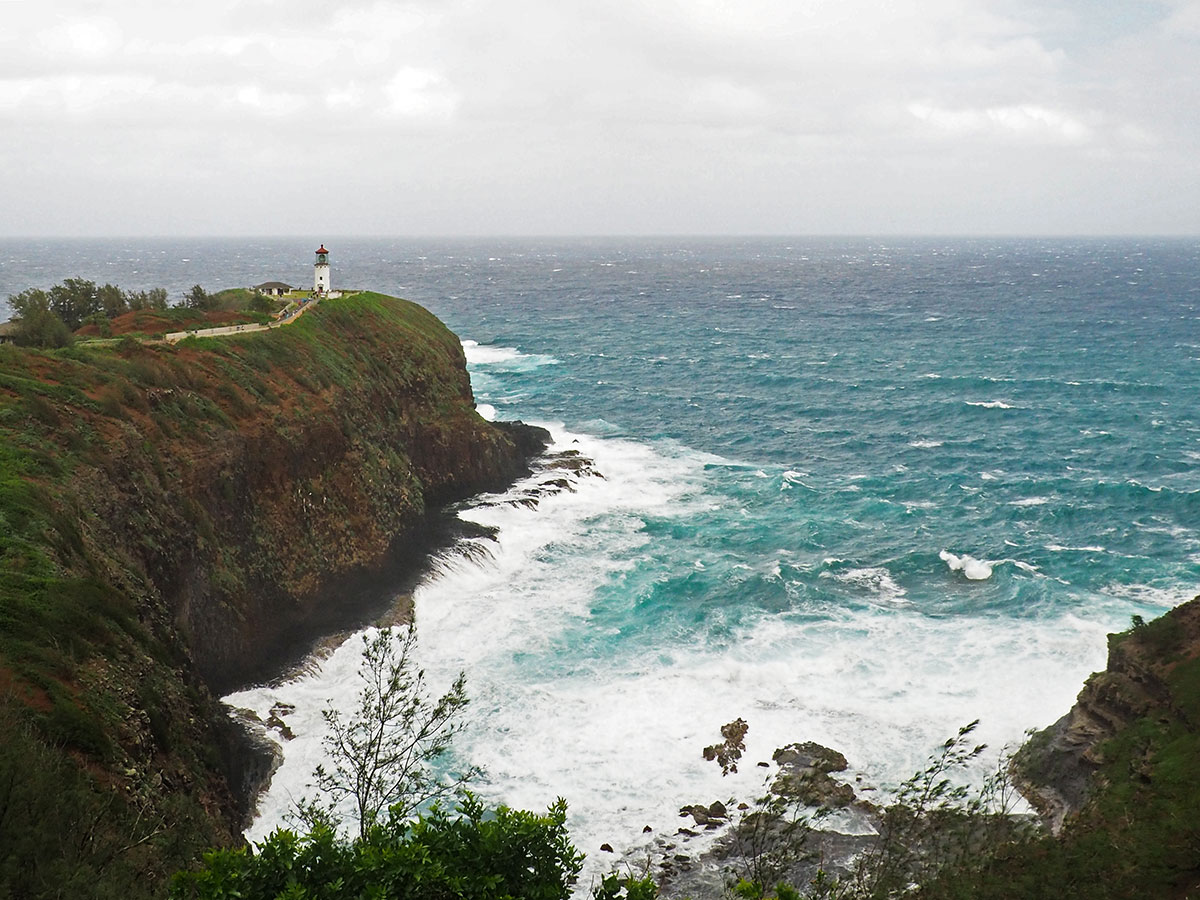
(855,491)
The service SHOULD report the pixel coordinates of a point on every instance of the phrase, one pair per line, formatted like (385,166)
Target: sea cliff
(175,521)
(1141,681)
(1115,778)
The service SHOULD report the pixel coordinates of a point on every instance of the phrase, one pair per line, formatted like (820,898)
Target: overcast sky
(541,117)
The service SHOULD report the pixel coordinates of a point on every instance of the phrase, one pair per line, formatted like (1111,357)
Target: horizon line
(697,236)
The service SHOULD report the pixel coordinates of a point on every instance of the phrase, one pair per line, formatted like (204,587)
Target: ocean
(855,491)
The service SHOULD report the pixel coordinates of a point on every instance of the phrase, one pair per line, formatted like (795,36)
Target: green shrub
(469,854)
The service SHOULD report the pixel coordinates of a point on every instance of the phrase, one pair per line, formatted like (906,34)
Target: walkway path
(174,336)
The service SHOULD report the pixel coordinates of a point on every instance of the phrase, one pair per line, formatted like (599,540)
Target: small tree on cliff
(379,756)
(37,324)
(199,298)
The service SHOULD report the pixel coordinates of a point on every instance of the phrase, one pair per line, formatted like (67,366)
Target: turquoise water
(857,491)
(1012,401)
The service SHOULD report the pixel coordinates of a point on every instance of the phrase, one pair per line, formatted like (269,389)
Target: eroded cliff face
(1146,680)
(224,500)
(267,529)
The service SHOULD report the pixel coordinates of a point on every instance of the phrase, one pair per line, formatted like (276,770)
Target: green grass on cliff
(118,495)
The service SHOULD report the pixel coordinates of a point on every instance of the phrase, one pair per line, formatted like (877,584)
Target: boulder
(810,755)
(804,775)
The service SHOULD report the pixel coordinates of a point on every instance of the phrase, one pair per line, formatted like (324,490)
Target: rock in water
(804,775)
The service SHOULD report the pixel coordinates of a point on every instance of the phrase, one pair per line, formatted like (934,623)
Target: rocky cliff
(174,521)
(1116,777)
(1062,766)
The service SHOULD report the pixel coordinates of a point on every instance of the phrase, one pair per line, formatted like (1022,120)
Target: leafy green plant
(631,887)
(469,853)
(380,756)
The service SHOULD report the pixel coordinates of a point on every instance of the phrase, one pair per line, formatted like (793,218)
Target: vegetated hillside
(1119,776)
(172,519)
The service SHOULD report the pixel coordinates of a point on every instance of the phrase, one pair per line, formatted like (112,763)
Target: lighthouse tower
(321,272)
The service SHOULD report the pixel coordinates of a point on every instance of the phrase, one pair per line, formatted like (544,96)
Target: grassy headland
(172,518)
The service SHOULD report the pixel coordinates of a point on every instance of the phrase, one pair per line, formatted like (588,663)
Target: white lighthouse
(321,272)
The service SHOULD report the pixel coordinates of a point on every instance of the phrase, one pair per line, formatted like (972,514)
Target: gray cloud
(630,116)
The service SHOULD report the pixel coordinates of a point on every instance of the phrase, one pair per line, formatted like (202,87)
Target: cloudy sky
(538,117)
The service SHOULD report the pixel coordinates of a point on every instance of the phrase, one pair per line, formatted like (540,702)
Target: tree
(933,825)
(74,300)
(155,298)
(112,300)
(198,298)
(260,302)
(38,325)
(30,299)
(379,757)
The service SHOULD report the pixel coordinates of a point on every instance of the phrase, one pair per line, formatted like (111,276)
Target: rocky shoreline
(807,789)
(1064,772)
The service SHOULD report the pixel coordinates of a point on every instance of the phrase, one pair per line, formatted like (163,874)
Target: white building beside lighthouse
(321,272)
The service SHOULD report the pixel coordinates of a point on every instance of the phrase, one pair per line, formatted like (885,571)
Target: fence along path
(174,336)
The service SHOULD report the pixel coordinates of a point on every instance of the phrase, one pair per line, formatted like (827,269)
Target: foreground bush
(469,854)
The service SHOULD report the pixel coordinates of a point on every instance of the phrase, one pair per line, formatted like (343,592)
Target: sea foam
(974,569)
(503,357)
(990,404)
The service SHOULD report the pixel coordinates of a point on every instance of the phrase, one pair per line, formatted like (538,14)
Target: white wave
(477,353)
(925,445)
(789,478)
(875,579)
(504,357)
(990,404)
(1152,596)
(1030,501)
(974,569)
(486,410)
(1059,548)
(1154,488)
(989,476)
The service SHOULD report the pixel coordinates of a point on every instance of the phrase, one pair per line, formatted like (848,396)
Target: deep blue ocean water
(857,491)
